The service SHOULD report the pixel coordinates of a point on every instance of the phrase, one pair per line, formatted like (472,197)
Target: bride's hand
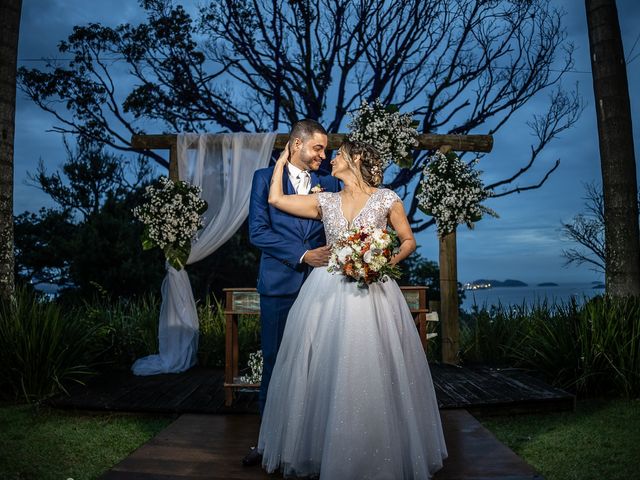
(284,156)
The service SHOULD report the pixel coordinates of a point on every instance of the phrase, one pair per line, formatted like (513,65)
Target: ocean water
(529,295)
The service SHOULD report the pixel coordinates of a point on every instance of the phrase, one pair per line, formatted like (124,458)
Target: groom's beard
(312,162)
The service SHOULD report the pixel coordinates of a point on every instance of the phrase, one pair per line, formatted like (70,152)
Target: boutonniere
(317,189)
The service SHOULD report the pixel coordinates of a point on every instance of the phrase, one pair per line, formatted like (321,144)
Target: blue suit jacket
(283,238)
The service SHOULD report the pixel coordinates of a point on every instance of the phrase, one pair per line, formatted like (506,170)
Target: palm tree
(9,28)
(617,159)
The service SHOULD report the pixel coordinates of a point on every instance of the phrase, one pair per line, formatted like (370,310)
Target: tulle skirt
(351,396)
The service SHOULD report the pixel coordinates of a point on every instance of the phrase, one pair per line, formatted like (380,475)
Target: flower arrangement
(363,255)
(391,133)
(255,364)
(317,189)
(171,215)
(451,191)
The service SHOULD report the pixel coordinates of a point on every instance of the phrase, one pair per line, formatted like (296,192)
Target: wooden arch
(447,244)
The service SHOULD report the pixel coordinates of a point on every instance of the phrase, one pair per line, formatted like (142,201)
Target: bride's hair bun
(370,161)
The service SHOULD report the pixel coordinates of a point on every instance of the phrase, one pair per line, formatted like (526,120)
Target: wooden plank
(475,453)
(212,446)
(426,141)
(480,389)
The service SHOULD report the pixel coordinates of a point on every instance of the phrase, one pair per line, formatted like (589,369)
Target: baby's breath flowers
(451,191)
(255,365)
(171,215)
(390,132)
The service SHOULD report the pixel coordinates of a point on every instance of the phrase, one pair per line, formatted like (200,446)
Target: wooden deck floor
(199,390)
(199,446)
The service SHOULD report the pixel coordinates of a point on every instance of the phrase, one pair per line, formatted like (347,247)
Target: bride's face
(339,166)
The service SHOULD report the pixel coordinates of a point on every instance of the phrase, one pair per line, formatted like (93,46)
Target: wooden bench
(246,301)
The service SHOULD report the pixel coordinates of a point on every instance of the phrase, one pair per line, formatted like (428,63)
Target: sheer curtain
(222,165)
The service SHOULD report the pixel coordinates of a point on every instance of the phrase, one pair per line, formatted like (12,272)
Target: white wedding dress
(351,396)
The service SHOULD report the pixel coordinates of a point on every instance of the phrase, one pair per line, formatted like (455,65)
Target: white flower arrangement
(390,132)
(255,364)
(451,191)
(171,215)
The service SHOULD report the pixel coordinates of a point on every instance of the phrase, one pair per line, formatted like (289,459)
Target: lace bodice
(374,213)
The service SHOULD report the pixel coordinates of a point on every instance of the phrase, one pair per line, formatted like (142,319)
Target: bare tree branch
(257,65)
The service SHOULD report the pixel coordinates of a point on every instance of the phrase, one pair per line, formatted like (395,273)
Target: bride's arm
(398,221)
(299,205)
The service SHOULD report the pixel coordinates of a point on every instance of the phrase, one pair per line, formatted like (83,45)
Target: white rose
(343,253)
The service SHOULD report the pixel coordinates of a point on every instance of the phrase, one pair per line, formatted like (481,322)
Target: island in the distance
(486,283)
(547,284)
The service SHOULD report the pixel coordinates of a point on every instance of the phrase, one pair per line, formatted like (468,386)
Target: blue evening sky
(524,243)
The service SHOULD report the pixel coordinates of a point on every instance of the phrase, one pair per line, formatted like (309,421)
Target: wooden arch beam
(426,141)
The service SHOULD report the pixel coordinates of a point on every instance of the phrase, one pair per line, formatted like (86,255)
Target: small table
(246,301)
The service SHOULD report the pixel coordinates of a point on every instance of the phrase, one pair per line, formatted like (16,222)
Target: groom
(290,246)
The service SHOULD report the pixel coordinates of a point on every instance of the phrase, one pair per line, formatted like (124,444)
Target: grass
(49,444)
(600,440)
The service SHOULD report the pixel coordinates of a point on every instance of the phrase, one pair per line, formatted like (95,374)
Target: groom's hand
(318,257)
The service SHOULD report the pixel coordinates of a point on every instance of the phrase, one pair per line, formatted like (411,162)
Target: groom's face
(310,151)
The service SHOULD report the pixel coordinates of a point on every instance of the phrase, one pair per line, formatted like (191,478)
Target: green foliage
(90,239)
(109,254)
(417,270)
(127,328)
(211,343)
(42,347)
(492,336)
(44,243)
(46,345)
(45,444)
(591,349)
(600,440)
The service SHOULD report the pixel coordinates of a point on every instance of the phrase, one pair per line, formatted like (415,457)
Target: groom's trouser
(273,317)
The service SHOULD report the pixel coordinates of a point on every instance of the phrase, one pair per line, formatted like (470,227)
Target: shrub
(42,348)
(128,328)
(211,346)
(592,349)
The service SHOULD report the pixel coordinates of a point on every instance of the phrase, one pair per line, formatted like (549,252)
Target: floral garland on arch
(391,133)
(451,191)
(171,214)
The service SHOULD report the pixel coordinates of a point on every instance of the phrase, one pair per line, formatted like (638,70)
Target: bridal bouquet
(363,255)
(171,215)
(390,132)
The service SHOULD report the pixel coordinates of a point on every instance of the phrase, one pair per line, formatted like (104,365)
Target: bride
(351,396)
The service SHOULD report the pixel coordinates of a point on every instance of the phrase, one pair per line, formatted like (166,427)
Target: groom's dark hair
(304,129)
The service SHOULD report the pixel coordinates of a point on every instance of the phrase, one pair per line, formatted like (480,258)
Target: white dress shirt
(301,181)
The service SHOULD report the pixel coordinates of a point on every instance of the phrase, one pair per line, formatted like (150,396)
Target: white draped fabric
(223,166)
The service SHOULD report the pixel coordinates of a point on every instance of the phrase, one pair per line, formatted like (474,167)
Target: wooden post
(229,370)
(449,298)
(174,173)
(449,294)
